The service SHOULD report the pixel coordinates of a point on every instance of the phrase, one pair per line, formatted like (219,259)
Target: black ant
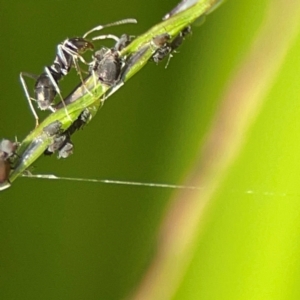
(68,54)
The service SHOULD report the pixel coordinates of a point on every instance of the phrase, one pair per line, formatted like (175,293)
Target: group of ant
(107,66)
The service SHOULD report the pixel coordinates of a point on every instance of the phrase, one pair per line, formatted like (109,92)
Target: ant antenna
(100,27)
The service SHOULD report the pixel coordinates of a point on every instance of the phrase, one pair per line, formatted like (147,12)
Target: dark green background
(76,240)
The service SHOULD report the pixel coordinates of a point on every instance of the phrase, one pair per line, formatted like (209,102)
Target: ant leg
(94,78)
(77,67)
(51,108)
(75,56)
(169,59)
(61,55)
(58,92)
(104,87)
(29,99)
(100,27)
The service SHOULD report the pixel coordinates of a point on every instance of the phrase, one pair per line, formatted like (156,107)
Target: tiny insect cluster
(107,66)
(69,52)
(168,47)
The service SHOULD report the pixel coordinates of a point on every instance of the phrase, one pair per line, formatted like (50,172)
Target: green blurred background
(76,240)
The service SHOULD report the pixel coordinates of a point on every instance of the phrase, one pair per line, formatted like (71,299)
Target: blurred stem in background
(240,105)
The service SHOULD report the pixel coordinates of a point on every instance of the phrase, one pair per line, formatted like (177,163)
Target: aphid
(161,40)
(66,150)
(57,143)
(68,54)
(7,151)
(62,142)
(162,52)
(170,47)
(53,128)
(107,63)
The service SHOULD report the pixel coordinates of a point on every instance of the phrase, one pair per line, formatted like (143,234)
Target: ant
(68,54)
